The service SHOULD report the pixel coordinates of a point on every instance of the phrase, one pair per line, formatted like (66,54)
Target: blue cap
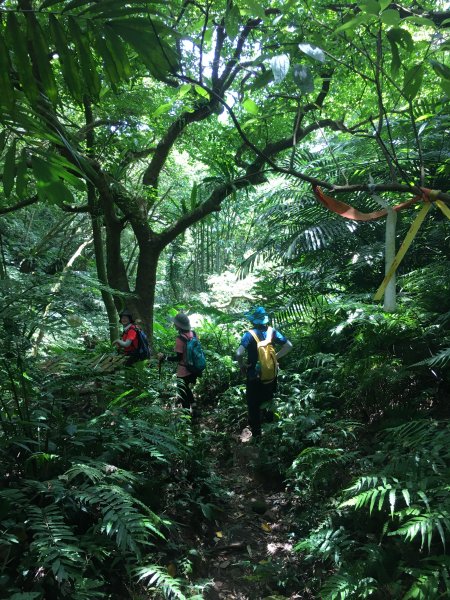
(258,316)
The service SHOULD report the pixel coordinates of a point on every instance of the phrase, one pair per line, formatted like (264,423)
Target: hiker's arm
(173,358)
(287,347)
(124,344)
(240,355)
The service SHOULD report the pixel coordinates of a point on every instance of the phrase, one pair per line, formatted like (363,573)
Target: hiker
(186,378)
(129,343)
(261,377)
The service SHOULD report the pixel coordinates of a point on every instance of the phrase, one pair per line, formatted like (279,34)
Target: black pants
(257,394)
(184,391)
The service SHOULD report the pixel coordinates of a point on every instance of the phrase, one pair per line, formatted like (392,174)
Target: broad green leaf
(250,106)
(413,81)
(406,496)
(17,41)
(255,8)
(445,85)
(41,56)
(69,67)
(184,89)
(118,52)
(108,61)
(384,4)
(280,67)
(390,17)
(7,90)
(59,194)
(75,4)
(371,7)
(162,109)
(155,53)
(87,64)
(420,21)
(395,62)
(21,177)
(303,78)
(232,20)
(43,176)
(201,91)
(313,52)
(352,23)
(441,69)
(9,169)
(401,37)
(49,3)
(261,80)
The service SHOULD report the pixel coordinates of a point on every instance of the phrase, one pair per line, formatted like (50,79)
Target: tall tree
(98,95)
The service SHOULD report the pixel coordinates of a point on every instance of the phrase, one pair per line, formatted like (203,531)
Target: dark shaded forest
(205,159)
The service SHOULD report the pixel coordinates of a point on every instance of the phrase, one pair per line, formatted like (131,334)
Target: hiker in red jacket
(129,342)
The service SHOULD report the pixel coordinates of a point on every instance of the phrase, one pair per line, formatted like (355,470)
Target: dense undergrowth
(103,477)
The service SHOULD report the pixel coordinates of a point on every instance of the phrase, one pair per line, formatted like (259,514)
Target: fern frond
(155,576)
(425,525)
(56,546)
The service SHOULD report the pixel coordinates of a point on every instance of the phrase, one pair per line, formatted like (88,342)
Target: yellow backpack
(267,358)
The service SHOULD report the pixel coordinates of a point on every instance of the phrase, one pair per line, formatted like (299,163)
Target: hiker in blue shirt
(259,392)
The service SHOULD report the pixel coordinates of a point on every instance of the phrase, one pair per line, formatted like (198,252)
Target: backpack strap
(267,341)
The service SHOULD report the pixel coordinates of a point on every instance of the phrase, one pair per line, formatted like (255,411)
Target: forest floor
(247,552)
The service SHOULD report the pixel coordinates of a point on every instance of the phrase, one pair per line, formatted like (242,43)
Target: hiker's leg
(184,392)
(267,393)
(253,397)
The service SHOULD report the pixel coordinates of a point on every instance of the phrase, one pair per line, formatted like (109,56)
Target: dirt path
(248,553)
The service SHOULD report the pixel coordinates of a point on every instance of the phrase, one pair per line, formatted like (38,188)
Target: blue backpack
(195,358)
(143,349)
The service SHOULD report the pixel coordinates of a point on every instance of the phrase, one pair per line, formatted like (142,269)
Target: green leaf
(413,81)
(160,59)
(118,53)
(261,80)
(69,67)
(41,56)
(384,4)
(162,109)
(371,7)
(7,95)
(232,20)
(88,70)
(313,52)
(43,176)
(109,63)
(401,37)
(390,17)
(395,62)
(9,169)
(353,23)
(18,43)
(49,3)
(255,8)
(303,78)
(445,85)
(280,67)
(201,91)
(75,4)
(250,106)
(420,21)
(441,69)
(21,177)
